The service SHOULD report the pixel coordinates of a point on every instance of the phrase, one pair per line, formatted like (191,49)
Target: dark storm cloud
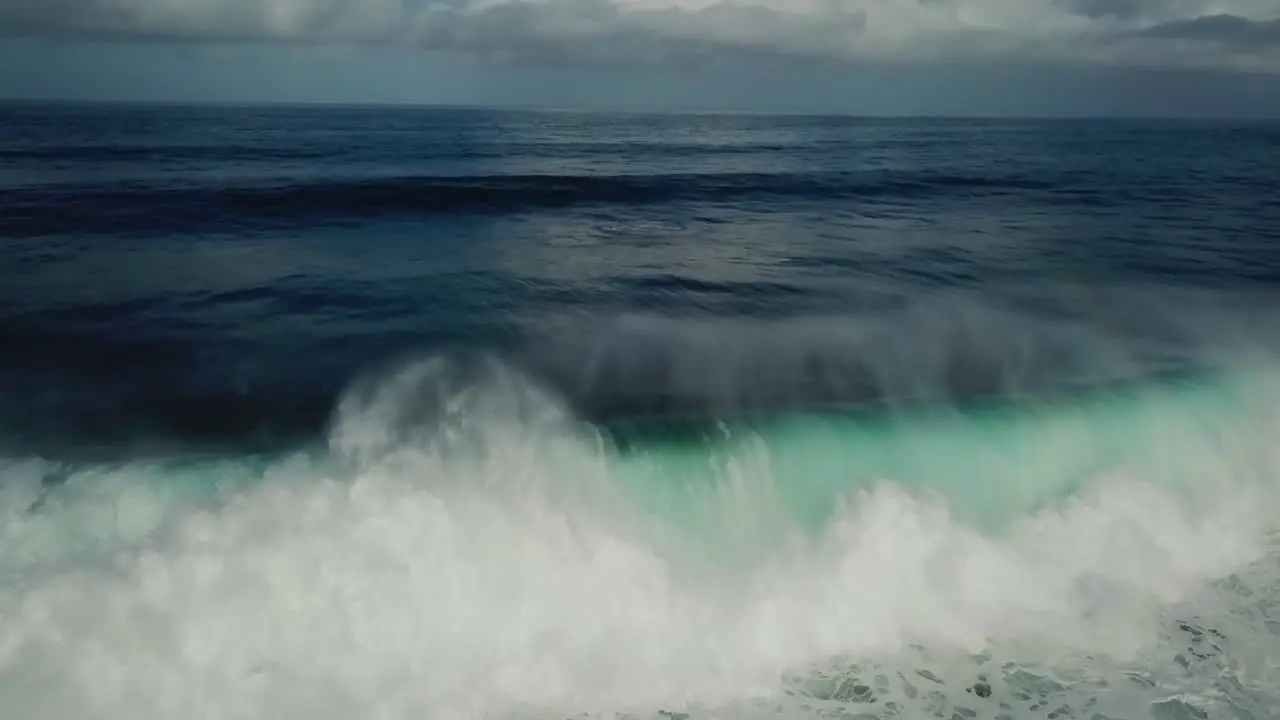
(1231,30)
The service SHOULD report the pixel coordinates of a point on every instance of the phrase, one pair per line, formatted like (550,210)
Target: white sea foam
(464,550)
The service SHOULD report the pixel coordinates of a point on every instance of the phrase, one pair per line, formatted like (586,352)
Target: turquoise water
(993,463)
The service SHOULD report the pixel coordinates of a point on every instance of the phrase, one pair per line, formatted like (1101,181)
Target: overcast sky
(973,57)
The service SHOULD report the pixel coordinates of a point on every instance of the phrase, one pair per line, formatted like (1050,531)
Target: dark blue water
(220,274)
(1086,315)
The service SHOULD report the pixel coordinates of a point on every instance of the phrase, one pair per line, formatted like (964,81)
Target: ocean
(338,412)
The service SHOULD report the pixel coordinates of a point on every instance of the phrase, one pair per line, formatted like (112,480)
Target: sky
(1185,58)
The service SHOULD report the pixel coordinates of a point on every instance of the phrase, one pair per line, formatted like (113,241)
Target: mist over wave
(76,389)
(940,349)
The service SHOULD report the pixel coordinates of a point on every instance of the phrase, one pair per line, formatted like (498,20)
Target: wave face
(373,413)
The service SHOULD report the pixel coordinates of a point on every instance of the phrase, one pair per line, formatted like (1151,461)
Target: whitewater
(462,546)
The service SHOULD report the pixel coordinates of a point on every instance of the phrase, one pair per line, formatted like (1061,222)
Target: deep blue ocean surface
(453,413)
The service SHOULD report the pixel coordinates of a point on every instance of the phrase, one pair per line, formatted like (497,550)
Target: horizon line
(669,111)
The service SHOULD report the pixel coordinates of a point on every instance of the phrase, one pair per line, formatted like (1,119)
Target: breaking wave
(462,544)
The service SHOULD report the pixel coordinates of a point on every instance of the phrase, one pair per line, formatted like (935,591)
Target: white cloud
(1223,34)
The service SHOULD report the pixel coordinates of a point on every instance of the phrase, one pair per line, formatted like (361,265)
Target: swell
(139,208)
(158,153)
(324,149)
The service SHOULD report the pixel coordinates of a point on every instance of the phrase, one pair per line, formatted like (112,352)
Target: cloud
(1212,34)
(1228,30)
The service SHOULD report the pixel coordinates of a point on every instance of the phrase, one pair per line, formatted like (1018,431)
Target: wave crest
(442,403)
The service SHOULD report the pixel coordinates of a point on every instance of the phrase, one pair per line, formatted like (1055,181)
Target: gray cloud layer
(1209,34)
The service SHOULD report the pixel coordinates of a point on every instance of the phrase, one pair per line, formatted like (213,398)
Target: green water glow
(993,463)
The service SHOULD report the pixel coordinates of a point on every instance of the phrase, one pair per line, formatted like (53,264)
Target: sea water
(472,414)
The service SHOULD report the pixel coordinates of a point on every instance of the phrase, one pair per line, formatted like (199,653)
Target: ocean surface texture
(383,413)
